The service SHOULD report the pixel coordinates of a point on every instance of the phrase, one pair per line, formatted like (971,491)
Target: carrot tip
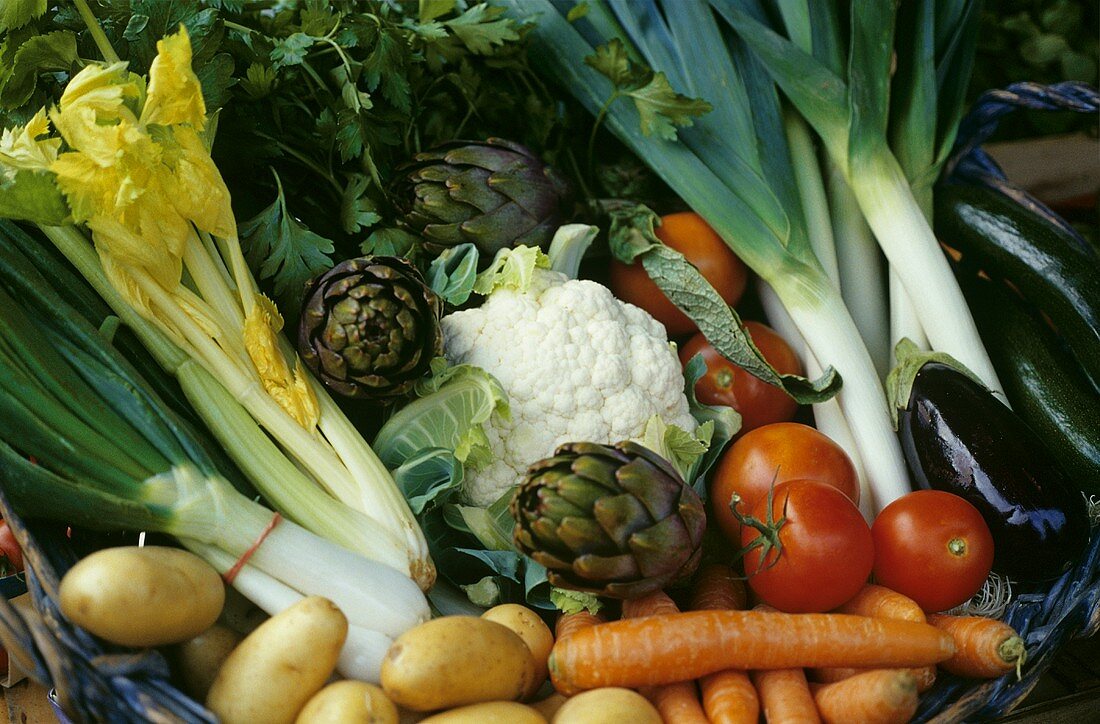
(1013,650)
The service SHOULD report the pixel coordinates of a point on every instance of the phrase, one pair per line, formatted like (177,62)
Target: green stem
(96,31)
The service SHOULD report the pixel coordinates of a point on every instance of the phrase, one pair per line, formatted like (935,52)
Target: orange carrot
(984,647)
(925,676)
(718,588)
(881,602)
(679,646)
(728,696)
(882,696)
(785,696)
(568,623)
(650,604)
(678,702)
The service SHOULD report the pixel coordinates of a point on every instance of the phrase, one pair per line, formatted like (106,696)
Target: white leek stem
(912,249)
(811,191)
(832,337)
(862,282)
(828,417)
(903,317)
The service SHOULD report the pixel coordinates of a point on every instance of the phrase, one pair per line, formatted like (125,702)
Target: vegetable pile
(417,326)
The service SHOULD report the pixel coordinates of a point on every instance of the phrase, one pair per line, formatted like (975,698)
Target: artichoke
(495,194)
(370,327)
(614,520)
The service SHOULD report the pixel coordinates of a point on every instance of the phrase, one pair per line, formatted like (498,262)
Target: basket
(97,682)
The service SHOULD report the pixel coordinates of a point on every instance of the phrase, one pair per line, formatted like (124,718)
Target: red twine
(231,575)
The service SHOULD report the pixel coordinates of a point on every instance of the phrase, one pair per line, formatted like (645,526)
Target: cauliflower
(577,365)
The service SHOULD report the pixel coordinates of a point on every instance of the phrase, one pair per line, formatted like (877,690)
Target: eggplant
(958,437)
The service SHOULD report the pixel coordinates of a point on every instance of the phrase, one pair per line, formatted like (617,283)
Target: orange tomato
(689,234)
(725,383)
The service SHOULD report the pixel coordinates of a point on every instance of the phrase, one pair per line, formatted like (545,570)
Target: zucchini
(1041,379)
(1054,269)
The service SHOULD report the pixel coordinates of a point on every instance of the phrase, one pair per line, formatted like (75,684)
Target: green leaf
(568,601)
(676,445)
(32,196)
(357,210)
(612,61)
(17,13)
(568,247)
(430,477)
(259,80)
(49,52)
(577,12)
(662,108)
(481,28)
(869,65)
(724,422)
(452,274)
(291,50)
(432,9)
(216,78)
(284,251)
(512,269)
(492,526)
(318,18)
(632,238)
(391,242)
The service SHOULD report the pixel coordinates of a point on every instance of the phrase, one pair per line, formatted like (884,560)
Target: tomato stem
(957,546)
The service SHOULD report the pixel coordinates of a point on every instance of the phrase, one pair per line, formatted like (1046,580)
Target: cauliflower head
(577,365)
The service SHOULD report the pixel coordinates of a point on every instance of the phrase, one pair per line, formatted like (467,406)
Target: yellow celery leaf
(291,390)
(175,94)
(130,247)
(203,196)
(124,283)
(198,311)
(104,89)
(22,148)
(109,171)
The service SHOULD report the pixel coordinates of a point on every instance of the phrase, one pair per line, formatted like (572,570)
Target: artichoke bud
(495,194)
(614,520)
(370,328)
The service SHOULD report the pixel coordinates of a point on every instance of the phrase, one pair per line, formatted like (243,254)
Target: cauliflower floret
(577,364)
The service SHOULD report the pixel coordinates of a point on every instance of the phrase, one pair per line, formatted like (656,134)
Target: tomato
(11,555)
(934,547)
(689,234)
(824,554)
(771,455)
(725,383)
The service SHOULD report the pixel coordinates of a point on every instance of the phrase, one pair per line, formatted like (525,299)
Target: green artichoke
(614,520)
(495,194)
(370,327)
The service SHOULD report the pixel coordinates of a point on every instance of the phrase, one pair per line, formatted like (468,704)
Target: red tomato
(727,384)
(824,554)
(771,455)
(689,234)
(11,555)
(934,547)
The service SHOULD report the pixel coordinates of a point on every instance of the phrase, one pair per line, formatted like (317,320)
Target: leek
(733,167)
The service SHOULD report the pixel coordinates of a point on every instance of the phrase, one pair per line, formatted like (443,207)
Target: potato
(535,633)
(492,712)
(549,706)
(610,705)
(349,702)
(456,660)
(142,596)
(198,659)
(271,675)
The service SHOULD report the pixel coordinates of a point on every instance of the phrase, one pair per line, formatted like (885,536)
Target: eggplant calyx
(910,360)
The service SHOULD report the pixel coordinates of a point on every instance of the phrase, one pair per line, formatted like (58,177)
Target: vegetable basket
(98,682)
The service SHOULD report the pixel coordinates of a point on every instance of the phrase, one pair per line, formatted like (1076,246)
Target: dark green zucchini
(1042,381)
(1055,270)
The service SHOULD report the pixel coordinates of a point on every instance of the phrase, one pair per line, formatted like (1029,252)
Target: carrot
(785,696)
(679,646)
(728,696)
(881,602)
(569,623)
(717,587)
(882,696)
(677,702)
(984,647)
(925,675)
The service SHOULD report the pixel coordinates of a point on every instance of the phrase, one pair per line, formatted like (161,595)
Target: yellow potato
(610,705)
(535,633)
(142,596)
(549,706)
(271,675)
(456,660)
(491,712)
(349,702)
(200,658)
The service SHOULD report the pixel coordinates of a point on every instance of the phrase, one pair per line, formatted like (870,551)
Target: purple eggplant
(958,437)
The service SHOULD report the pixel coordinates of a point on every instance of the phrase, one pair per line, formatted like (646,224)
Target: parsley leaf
(291,50)
(52,51)
(17,13)
(432,9)
(284,251)
(479,29)
(357,210)
(660,107)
